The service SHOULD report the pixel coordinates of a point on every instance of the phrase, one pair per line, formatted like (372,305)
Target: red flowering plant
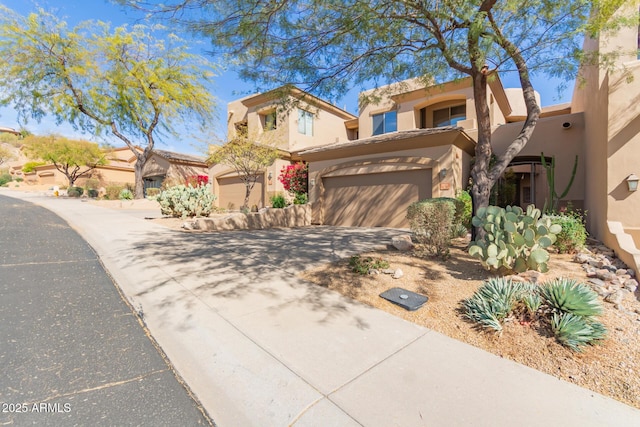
(294,179)
(197,180)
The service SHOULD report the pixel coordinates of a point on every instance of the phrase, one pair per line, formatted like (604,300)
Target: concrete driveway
(259,346)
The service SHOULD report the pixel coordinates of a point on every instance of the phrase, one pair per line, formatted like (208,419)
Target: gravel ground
(610,368)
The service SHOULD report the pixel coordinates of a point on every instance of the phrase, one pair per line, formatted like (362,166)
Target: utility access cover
(404,298)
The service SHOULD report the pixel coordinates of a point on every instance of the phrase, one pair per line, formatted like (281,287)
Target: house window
(305,122)
(385,123)
(449,116)
(270,121)
(241,128)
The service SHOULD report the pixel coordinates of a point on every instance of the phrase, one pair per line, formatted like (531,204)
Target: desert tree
(248,155)
(329,46)
(73,158)
(121,81)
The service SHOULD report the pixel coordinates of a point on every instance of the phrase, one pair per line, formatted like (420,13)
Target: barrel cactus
(514,239)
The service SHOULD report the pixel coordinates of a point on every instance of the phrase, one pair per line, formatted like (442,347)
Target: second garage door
(374,200)
(232,191)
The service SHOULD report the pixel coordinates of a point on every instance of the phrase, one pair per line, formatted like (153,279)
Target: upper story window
(385,122)
(449,116)
(305,122)
(270,120)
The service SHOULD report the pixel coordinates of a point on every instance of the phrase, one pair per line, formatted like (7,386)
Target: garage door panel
(232,191)
(374,200)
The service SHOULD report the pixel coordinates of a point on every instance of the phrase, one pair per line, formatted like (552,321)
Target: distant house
(167,165)
(307,121)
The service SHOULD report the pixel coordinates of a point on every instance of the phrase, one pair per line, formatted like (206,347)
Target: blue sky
(227,86)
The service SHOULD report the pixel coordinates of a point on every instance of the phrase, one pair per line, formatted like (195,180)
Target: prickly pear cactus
(186,201)
(514,239)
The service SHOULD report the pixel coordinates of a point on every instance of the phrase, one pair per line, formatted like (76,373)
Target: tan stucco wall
(552,138)
(434,158)
(327,127)
(408,100)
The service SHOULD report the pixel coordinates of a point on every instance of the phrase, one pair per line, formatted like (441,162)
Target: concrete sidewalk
(259,346)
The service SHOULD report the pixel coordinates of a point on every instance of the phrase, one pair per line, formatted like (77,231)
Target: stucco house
(289,118)
(418,141)
(168,165)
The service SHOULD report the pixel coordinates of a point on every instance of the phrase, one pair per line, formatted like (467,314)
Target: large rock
(402,243)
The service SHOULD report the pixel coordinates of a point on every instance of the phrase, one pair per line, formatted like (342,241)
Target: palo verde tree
(327,46)
(122,81)
(248,156)
(73,158)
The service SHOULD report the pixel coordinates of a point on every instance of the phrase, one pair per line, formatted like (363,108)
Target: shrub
(573,307)
(513,239)
(92,193)
(278,201)
(294,177)
(5,178)
(19,179)
(300,199)
(364,265)
(493,302)
(432,222)
(31,166)
(182,201)
(576,331)
(125,194)
(573,235)
(569,296)
(152,192)
(75,191)
(112,192)
(467,208)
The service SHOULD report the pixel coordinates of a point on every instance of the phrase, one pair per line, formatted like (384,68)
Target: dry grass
(610,369)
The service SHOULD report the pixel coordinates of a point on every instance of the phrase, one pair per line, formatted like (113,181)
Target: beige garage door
(232,192)
(374,200)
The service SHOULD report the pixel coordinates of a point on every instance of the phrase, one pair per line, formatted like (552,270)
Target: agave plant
(576,331)
(569,296)
(493,302)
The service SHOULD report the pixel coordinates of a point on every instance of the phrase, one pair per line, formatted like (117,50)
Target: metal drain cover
(404,298)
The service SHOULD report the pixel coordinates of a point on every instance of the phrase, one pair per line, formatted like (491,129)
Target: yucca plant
(569,296)
(576,331)
(493,302)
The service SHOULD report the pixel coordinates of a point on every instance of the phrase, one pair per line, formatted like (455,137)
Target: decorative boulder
(402,243)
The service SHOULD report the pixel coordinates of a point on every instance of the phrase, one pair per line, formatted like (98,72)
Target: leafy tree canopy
(122,81)
(71,157)
(247,157)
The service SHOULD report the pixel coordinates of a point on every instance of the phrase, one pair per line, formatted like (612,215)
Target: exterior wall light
(443,173)
(270,177)
(632,182)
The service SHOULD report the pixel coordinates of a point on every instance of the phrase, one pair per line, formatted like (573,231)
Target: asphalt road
(72,351)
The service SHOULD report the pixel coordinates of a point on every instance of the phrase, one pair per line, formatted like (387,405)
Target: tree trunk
(482,181)
(139,181)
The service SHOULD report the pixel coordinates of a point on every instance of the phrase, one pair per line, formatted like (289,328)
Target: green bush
(75,191)
(186,201)
(467,208)
(125,194)
(494,301)
(19,179)
(569,308)
(569,296)
(576,331)
(433,222)
(300,199)
(363,265)
(112,192)
(5,178)
(573,235)
(31,166)
(513,239)
(278,201)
